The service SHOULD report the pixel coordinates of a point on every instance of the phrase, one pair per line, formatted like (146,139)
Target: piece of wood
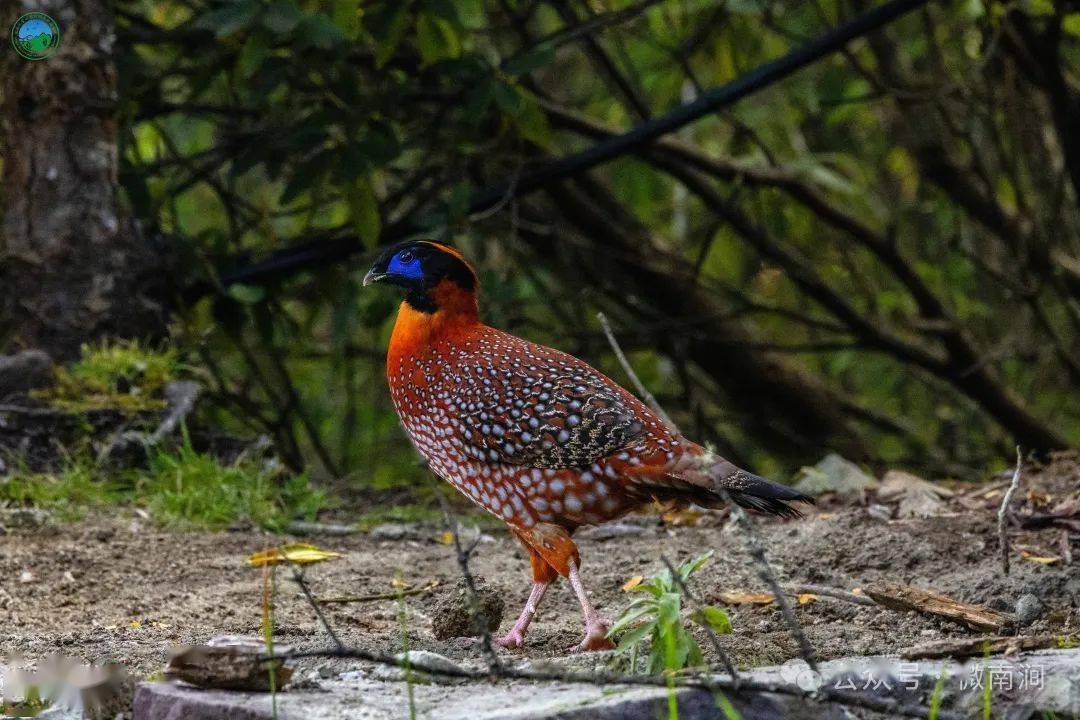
(977,647)
(928,602)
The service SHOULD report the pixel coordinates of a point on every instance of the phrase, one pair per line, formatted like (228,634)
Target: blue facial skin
(410,270)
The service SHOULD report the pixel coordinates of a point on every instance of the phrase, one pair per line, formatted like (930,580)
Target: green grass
(67,493)
(189,488)
(124,375)
(181,488)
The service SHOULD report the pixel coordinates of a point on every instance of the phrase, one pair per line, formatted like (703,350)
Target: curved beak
(373,276)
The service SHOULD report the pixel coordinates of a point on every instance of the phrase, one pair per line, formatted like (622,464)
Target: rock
(835,474)
(425,660)
(28,370)
(391,531)
(228,662)
(612,530)
(1029,608)
(451,614)
(917,497)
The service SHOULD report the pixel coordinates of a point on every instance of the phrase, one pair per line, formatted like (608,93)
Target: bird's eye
(405,256)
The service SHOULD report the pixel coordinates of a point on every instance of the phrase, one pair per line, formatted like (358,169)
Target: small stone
(836,474)
(24,371)
(26,577)
(425,660)
(390,531)
(451,614)
(1029,608)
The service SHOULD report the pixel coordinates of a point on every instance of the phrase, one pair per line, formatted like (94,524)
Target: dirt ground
(114,587)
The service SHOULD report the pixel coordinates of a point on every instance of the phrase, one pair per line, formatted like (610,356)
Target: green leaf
(1071,24)
(252,55)
(667,611)
(230,19)
(387,25)
(714,618)
(633,637)
(532,123)
(346,16)
(247,294)
(281,17)
(691,566)
(508,98)
(364,211)
(436,38)
(628,618)
(525,63)
(319,31)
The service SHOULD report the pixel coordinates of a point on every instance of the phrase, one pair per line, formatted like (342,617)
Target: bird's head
(435,276)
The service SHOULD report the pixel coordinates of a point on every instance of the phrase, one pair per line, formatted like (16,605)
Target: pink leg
(516,636)
(595,626)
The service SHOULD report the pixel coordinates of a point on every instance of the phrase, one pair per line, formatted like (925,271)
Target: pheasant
(533,435)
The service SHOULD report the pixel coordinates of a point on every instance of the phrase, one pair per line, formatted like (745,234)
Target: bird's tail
(709,480)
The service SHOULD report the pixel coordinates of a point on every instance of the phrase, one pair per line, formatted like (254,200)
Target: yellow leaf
(856,591)
(681,517)
(807,597)
(298,553)
(399,583)
(740,598)
(447,538)
(134,624)
(632,583)
(1037,559)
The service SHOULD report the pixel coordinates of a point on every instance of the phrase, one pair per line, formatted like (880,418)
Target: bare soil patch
(114,587)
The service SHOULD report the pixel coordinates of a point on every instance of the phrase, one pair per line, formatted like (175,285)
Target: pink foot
(513,639)
(595,638)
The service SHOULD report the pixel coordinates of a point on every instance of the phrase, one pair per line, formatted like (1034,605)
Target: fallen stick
(973,647)
(927,602)
(392,595)
(1003,535)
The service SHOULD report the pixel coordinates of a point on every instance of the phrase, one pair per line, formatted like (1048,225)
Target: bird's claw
(595,638)
(513,639)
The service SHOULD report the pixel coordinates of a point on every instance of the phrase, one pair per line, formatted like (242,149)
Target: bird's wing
(527,404)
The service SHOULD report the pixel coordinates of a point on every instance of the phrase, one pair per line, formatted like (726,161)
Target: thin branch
(764,571)
(319,252)
(298,576)
(463,555)
(643,392)
(890,706)
(1002,516)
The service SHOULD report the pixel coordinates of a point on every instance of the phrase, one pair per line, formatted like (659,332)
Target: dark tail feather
(756,493)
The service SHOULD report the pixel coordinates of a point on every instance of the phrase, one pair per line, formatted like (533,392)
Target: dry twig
(463,555)
(1003,535)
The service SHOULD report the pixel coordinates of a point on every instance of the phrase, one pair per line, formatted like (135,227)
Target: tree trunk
(73,266)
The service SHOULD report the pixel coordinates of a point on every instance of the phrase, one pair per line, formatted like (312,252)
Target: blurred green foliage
(181,488)
(253,125)
(123,374)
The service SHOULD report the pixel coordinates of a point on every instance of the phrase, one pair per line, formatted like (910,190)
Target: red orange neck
(456,312)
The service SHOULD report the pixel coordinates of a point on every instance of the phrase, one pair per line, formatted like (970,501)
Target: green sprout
(658,616)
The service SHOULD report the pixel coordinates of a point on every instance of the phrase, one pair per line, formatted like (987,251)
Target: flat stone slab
(1028,685)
